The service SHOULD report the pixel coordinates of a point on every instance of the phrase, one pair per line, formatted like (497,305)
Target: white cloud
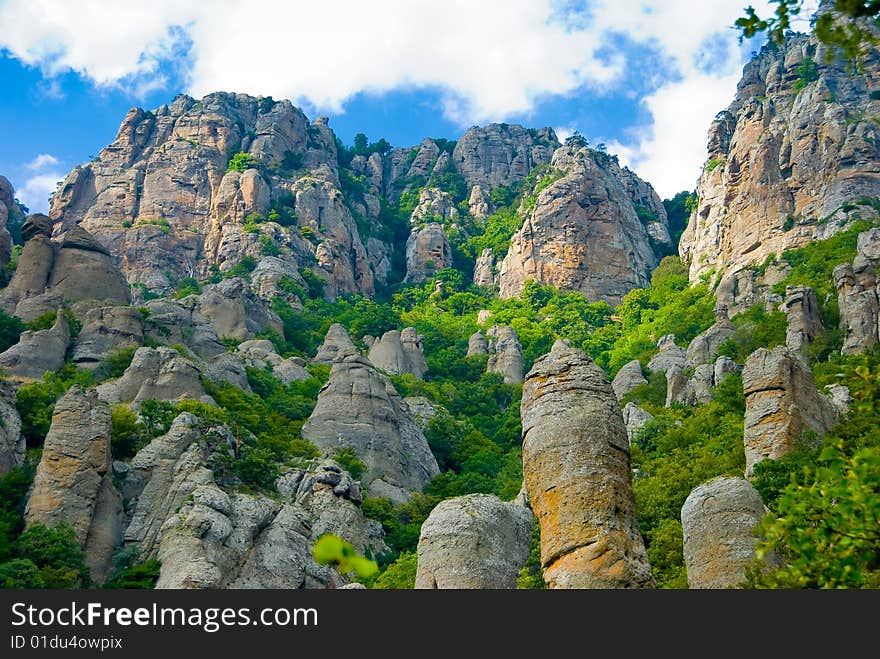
(42,160)
(36,190)
(491,59)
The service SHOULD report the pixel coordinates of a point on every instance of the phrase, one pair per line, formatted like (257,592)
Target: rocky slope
(795,158)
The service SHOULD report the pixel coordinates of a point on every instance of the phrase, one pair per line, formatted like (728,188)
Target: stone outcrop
(420,409)
(38,352)
(505,354)
(399,352)
(857,295)
(670,355)
(427,252)
(337,344)
(75,268)
(156,374)
(359,409)
(477,344)
(587,233)
(717,520)
(634,418)
(705,345)
(792,160)
(473,541)
(501,154)
(260,353)
(484,269)
(628,378)
(782,405)
(723,367)
(804,322)
(73,484)
(12,443)
(180,322)
(106,330)
(10,215)
(235,311)
(478,203)
(577,475)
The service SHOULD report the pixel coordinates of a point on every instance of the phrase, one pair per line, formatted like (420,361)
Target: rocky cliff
(795,158)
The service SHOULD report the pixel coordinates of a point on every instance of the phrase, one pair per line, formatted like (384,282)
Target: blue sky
(644,77)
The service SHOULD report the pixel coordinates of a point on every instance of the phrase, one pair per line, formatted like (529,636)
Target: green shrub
(399,575)
(241,161)
(116,363)
(57,555)
(349,461)
(11,328)
(127,435)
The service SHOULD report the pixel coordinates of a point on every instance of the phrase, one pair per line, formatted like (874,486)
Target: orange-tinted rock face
(794,158)
(577,475)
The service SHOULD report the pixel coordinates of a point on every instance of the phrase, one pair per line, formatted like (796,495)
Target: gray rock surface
(38,352)
(628,378)
(12,443)
(473,541)
(705,345)
(399,352)
(359,409)
(106,330)
(156,374)
(484,269)
(804,323)
(717,521)
(670,355)
(782,405)
(505,354)
(337,344)
(427,252)
(634,418)
(577,475)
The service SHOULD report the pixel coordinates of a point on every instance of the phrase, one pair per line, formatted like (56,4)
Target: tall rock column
(782,405)
(577,475)
(804,321)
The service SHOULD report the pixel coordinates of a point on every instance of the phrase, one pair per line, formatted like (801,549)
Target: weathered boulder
(723,367)
(859,305)
(670,355)
(260,353)
(782,405)
(12,443)
(156,374)
(478,203)
(266,280)
(73,484)
(180,322)
(484,269)
(10,215)
(106,330)
(477,344)
(359,409)
(236,312)
(473,541)
(788,162)
(230,368)
(38,352)
(427,252)
(678,388)
(634,418)
(717,521)
(628,378)
(505,355)
(804,322)
(705,345)
(420,409)
(593,231)
(399,352)
(577,475)
(337,344)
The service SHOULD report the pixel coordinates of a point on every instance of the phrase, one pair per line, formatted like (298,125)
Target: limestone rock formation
(50,273)
(782,404)
(788,161)
(506,355)
(857,295)
(399,352)
(717,521)
(586,232)
(38,352)
(359,409)
(260,353)
(10,215)
(628,378)
(577,475)
(106,330)
(477,344)
(12,444)
(156,374)
(501,154)
(427,252)
(634,418)
(337,344)
(420,409)
(73,483)
(236,312)
(181,322)
(705,345)
(804,324)
(473,541)
(484,269)
(724,366)
(478,203)
(670,355)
